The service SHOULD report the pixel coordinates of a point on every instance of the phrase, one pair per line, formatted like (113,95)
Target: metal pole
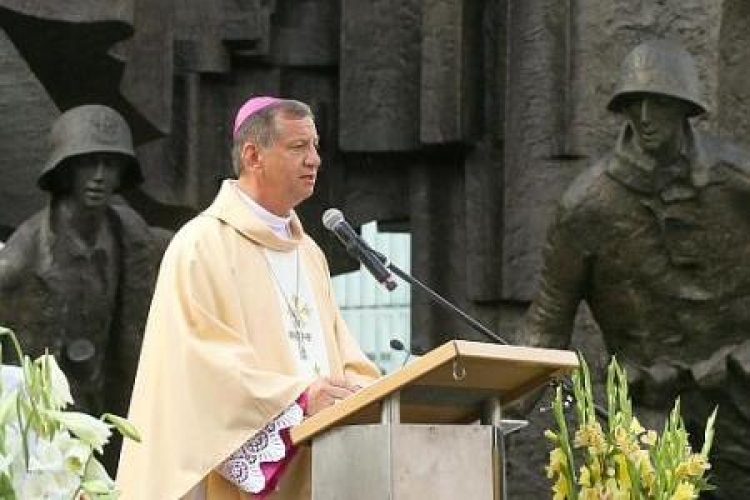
(390,409)
(492,414)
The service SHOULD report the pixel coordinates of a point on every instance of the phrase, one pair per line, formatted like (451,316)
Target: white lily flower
(8,406)
(5,462)
(13,440)
(12,377)
(44,456)
(60,393)
(95,471)
(66,483)
(35,485)
(75,453)
(88,429)
(52,457)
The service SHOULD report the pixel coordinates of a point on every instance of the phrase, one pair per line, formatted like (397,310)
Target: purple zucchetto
(252,106)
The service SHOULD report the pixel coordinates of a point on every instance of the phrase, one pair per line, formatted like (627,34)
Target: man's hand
(325,391)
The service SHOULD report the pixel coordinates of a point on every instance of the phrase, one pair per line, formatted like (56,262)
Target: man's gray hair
(260,127)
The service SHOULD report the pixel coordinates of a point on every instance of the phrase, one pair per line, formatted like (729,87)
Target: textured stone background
(459,120)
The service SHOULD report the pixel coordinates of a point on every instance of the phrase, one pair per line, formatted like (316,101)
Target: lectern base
(404,462)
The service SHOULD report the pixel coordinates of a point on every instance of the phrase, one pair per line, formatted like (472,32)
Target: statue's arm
(13,263)
(13,274)
(549,320)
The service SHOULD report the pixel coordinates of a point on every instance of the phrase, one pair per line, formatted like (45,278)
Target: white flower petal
(60,388)
(88,429)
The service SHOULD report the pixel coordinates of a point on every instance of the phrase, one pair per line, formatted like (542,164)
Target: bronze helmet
(91,128)
(659,67)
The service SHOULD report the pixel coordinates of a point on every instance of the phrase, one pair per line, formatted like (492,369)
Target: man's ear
(250,156)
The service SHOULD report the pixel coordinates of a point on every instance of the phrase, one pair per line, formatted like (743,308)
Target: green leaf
(708,435)
(6,488)
(7,332)
(570,470)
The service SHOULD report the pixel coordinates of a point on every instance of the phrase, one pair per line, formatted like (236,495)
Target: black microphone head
(332,217)
(397,345)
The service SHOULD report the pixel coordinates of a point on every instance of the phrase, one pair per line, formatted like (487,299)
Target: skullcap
(252,106)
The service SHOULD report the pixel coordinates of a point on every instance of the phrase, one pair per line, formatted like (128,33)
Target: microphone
(397,345)
(334,221)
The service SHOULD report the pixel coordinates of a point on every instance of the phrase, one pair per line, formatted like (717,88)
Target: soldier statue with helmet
(77,277)
(655,238)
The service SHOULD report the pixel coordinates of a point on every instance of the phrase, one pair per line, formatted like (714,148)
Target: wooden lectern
(432,430)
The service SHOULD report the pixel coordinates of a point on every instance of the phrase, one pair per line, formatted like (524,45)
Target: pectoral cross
(300,336)
(300,313)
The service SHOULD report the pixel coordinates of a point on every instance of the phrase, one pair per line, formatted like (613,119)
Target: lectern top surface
(448,385)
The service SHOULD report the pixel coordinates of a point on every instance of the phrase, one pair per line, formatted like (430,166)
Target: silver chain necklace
(297,308)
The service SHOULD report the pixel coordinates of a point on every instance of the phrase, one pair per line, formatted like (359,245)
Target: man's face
(657,120)
(95,177)
(290,166)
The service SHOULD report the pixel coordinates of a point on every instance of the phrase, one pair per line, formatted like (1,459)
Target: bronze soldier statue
(76,278)
(655,237)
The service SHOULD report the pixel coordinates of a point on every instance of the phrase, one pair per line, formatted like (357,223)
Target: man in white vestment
(244,338)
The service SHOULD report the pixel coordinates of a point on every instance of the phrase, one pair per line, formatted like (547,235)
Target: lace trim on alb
(243,466)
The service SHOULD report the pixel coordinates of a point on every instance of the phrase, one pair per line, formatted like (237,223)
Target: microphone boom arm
(439,299)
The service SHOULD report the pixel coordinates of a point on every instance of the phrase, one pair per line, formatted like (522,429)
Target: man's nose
(646,110)
(312,159)
(99,168)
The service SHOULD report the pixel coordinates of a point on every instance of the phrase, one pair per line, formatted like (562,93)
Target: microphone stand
(473,323)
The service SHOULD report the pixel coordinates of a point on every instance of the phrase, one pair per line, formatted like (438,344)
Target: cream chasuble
(218,362)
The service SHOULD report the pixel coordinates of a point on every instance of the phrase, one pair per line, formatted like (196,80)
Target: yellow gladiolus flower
(614,492)
(584,477)
(697,465)
(591,494)
(620,460)
(592,436)
(646,469)
(623,475)
(560,489)
(636,427)
(649,438)
(694,466)
(557,462)
(624,441)
(684,491)
(595,470)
